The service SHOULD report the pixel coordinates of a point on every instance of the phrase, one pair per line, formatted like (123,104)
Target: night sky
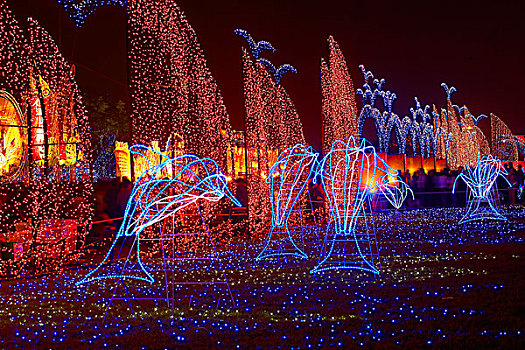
(478,47)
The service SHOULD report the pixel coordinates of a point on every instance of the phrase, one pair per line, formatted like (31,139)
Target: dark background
(477,46)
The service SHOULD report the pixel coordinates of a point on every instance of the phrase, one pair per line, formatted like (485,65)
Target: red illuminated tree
(172,88)
(272,125)
(59,186)
(339,106)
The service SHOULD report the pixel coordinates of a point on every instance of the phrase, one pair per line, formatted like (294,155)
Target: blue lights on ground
(432,292)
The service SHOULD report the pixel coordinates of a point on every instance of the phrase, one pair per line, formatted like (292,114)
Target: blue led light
(351,174)
(277,73)
(155,198)
(256,47)
(287,179)
(79,10)
(481,183)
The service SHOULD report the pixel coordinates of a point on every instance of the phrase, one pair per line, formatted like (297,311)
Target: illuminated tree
(461,139)
(504,146)
(338,104)
(272,124)
(172,88)
(57,187)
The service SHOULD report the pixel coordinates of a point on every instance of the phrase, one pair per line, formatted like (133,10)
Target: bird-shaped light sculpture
(155,197)
(277,73)
(79,10)
(256,47)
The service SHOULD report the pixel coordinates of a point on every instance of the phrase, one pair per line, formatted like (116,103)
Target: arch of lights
(452,134)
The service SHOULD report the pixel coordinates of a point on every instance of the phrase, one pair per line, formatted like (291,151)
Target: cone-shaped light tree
(42,84)
(172,89)
(272,125)
(338,105)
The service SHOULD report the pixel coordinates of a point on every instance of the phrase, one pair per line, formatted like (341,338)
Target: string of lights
(287,180)
(481,182)
(351,173)
(155,198)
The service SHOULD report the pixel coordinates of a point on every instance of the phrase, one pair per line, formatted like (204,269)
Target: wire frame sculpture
(161,193)
(351,174)
(482,189)
(287,179)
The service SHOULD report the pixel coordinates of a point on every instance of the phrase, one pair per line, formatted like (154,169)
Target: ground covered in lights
(441,286)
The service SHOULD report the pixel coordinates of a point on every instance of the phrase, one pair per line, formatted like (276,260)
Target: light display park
(252,238)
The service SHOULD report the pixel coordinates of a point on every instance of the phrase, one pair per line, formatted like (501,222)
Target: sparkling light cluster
(55,188)
(339,107)
(461,139)
(503,143)
(272,125)
(172,88)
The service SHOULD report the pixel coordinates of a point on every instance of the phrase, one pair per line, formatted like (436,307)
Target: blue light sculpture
(79,10)
(481,184)
(155,198)
(277,73)
(351,174)
(287,180)
(256,47)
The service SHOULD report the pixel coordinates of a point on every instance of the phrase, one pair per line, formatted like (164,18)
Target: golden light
(13,144)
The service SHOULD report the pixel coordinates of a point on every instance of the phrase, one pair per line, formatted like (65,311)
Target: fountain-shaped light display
(287,180)
(481,184)
(155,197)
(351,174)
